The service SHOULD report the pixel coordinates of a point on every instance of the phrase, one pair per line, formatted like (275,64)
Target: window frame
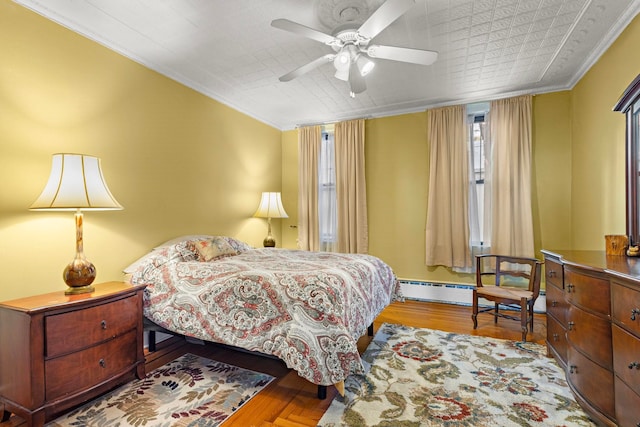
(478,114)
(328,239)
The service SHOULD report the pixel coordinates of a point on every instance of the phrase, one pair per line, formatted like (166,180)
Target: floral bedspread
(306,308)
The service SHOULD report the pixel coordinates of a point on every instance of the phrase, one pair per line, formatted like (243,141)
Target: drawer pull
(556,337)
(103,324)
(554,303)
(634,312)
(573,369)
(103,364)
(571,325)
(551,274)
(570,287)
(634,365)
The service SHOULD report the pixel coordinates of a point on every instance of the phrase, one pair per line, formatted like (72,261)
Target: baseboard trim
(450,293)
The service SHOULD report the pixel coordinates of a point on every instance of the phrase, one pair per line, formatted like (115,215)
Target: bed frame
(151,328)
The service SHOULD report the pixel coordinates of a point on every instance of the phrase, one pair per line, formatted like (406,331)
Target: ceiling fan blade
(388,12)
(307,67)
(356,80)
(403,54)
(302,30)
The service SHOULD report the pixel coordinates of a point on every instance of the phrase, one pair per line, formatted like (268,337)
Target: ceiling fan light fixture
(365,65)
(351,46)
(342,60)
(342,75)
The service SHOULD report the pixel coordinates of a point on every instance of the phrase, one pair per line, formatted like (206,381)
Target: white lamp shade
(271,206)
(76,182)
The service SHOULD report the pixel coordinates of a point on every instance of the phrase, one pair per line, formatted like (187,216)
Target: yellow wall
(598,158)
(552,171)
(176,160)
(182,163)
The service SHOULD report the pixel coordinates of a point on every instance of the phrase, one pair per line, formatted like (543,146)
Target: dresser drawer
(556,304)
(591,334)
(593,382)
(557,339)
(626,360)
(626,307)
(589,292)
(79,371)
(75,330)
(553,273)
(627,404)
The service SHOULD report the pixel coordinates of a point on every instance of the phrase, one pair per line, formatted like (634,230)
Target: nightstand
(58,351)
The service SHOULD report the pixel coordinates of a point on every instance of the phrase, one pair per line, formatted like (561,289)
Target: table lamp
(76,184)
(270,207)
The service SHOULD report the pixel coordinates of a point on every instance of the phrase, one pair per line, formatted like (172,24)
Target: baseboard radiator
(449,293)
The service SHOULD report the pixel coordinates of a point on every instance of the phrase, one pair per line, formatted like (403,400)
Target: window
(327,203)
(478,168)
(629,104)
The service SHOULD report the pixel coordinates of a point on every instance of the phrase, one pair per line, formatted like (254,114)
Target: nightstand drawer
(79,371)
(75,330)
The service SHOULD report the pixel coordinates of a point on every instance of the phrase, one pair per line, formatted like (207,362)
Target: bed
(305,308)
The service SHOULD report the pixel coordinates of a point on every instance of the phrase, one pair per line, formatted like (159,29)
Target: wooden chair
(511,282)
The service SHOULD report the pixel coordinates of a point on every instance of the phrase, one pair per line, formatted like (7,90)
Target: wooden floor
(290,401)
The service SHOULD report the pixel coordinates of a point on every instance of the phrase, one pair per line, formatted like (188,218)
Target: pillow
(211,249)
(238,245)
(181,239)
(161,255)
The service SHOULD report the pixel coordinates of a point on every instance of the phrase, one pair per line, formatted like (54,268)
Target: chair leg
(474,316)
(531,316)
(495,315)
(524,315)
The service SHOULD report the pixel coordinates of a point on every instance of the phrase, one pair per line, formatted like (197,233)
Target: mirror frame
(629,104)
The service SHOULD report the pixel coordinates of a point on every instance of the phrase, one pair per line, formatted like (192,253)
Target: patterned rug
(423,377)
(190,391)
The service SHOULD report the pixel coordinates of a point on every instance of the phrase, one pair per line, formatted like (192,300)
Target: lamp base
(269,241)
(79,275)
(79,290)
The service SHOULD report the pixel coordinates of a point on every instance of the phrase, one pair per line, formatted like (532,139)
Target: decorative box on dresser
(600,300)
(58,351)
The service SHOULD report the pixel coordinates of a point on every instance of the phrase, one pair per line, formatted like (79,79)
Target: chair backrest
(501,270)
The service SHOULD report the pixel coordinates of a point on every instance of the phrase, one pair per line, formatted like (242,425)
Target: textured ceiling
(228,50)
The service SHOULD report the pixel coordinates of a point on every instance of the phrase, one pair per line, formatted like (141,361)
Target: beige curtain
(353,233)
(511,218)
(309,140)
(447,231)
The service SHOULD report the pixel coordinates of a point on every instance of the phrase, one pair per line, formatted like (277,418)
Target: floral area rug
(423,377)
(189,391)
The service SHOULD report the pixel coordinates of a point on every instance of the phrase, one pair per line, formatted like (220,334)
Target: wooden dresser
(58,351)
(593,315)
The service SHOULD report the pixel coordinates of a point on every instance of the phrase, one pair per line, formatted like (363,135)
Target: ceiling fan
(352,48)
